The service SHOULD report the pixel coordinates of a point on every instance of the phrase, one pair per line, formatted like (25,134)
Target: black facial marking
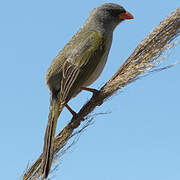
(116,12)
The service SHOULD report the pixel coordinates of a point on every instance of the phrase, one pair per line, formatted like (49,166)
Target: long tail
(48,150)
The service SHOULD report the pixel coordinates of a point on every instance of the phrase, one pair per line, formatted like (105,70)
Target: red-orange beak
(126,15)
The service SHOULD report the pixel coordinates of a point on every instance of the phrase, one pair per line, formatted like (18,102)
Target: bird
(77,66)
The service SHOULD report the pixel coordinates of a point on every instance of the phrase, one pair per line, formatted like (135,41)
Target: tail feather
(48,150)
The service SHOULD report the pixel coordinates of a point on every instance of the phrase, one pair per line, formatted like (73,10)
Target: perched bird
(78,65)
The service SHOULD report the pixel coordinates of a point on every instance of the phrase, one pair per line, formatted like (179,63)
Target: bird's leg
(70,110)
(95,93)
(75,116)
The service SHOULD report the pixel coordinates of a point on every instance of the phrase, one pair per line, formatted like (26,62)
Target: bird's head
(109,15)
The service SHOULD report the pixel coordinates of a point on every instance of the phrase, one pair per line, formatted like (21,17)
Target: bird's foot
(75,116)
(70,110)
(95,93)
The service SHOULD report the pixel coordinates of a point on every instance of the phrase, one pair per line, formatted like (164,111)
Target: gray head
(108,16)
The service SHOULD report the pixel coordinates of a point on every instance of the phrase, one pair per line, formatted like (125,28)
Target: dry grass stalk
(143,59)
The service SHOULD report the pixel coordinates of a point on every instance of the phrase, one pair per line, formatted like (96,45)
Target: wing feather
(82,57)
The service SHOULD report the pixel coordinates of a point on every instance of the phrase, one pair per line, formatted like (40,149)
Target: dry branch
(144,58)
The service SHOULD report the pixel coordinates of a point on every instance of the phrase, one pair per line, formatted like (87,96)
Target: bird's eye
(116,12)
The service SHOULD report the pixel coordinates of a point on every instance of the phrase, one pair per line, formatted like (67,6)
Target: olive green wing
(83,57)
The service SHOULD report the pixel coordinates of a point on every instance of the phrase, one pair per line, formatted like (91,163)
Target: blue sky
(138,140)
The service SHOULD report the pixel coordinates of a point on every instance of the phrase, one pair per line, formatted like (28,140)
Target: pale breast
(97,72)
